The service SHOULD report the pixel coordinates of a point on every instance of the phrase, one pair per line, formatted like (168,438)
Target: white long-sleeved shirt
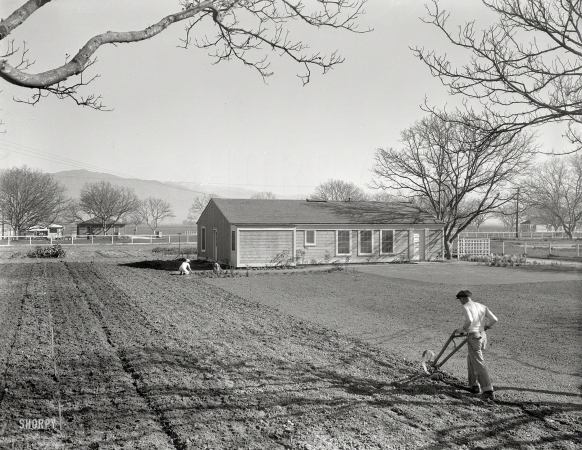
(477,316)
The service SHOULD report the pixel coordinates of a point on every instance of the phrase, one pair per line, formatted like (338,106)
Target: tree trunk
(448,248)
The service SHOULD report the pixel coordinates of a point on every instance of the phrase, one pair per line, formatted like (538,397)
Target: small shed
(53,231)
(255,233)
(94,226)
(533,226)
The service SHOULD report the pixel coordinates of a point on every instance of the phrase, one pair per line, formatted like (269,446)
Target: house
(243,232)
(94,226)
(532,226)
(53,231)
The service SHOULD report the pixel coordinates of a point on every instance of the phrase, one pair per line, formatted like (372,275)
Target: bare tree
(243,30)
(339,191)
(555,190)
(526,68)
(30,197)
(383,196)
(107,202)
(267,195)
(481,218)
(508,214)
(455,173)
(154,210)
(135,218)
(198,206)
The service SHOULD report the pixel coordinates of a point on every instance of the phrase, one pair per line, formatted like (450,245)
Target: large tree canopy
(526,68)
(554,190)
(29,197)
(453,171)
(339,191)
(107,203)
(243,30)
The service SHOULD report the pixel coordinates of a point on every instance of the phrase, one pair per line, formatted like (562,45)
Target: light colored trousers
(477,371)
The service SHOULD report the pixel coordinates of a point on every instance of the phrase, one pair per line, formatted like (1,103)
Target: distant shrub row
(497,260)
(54,251)
(173,249)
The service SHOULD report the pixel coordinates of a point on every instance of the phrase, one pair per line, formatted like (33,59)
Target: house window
(387,241)
(344,242)
(365,242)
(203,239)
(309,237)
(233,240)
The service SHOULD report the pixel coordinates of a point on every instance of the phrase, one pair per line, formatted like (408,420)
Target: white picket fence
(520,235)
(99,239)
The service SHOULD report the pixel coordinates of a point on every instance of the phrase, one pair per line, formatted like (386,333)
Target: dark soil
(145,359)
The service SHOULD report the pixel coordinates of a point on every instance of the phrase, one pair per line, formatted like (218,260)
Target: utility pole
(517,215)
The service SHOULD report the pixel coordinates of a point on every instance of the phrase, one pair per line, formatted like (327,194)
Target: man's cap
(464,294)
(187,260)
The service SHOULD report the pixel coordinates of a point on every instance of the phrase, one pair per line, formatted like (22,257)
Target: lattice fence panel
(481,246)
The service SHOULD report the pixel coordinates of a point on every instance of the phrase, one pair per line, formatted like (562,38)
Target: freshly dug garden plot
(148,359)
(534,351)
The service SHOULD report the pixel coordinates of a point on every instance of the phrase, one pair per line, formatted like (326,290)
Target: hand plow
(431,365)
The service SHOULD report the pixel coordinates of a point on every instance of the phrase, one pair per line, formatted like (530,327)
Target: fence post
(91,239)
(578,250)
(525,248)
(550,253)
(503,247)
(169,239)
(51,240)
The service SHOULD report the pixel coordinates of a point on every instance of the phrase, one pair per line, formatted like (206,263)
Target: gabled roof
(293,212)
(41,228)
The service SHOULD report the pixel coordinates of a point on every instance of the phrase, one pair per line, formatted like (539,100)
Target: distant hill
(179,194)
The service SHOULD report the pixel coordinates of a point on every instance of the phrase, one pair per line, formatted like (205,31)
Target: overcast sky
(176,116)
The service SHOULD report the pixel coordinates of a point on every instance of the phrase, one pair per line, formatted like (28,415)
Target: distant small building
(533,226)
(94,226)
(244,232)
(53,231)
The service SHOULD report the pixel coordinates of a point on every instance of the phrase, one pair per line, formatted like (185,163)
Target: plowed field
(110,356)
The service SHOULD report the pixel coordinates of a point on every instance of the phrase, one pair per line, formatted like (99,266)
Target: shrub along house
(255,233)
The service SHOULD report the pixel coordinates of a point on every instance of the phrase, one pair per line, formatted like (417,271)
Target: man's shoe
(475,390)
(488,395)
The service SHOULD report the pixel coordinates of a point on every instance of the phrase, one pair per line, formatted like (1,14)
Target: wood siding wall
(434,245)
(264,247)
(324,249)
(211,219)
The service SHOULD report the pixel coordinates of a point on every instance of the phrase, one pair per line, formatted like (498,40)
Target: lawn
(122,356)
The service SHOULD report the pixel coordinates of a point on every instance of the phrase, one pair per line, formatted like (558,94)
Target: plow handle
(453,335)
